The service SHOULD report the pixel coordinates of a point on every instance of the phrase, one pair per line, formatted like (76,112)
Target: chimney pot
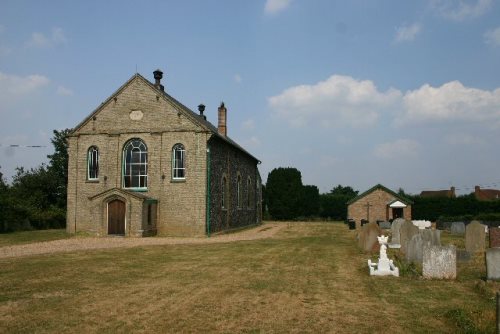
(201,109)
(158,75)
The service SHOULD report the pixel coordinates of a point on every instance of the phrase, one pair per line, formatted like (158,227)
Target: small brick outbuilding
(378,203)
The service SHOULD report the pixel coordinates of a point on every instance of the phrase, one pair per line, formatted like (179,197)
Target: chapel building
(144,164)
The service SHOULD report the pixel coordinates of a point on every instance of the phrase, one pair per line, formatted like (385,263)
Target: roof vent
(158,75)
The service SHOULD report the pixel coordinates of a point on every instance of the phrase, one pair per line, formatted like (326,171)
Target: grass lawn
(24,237)
(310,278)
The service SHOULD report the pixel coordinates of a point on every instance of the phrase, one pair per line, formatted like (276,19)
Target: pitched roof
(487,194)
(194,117)
(438,193)
(381,187)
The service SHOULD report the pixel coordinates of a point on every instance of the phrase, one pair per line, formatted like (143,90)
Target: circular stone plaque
(136,115)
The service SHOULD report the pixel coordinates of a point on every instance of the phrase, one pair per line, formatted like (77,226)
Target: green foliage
(284,193)
(37,197)
(432,208)
(310,201)
(334,206)
(344,191)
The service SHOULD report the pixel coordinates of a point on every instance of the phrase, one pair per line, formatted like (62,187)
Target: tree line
(286,198)
(36,199)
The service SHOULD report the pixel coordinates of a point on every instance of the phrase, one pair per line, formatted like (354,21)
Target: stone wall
(180,204)
(229,162)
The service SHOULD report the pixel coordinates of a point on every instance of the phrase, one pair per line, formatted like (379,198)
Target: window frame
(176,168)
(224,192)
(238,191)
(93,163)
(128,164)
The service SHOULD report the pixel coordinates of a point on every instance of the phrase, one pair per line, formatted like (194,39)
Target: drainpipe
(208,193)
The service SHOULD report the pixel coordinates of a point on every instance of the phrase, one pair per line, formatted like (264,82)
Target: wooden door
(116,217)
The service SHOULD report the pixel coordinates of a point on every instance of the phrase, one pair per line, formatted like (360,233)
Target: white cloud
(237,78)
(39,40)
(401,148)
(407,33)
(275,6)
(13,86)
(492,37)
(249,124)
(450,102)
(252,142)
(461,10)
(338,101)
(61,90)
(463,140)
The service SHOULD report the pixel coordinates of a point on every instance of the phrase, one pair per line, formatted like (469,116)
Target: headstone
(493,264)
(474,237)
(422,224)
(395,239)
(368,237)
(414,250)
(384,225)
(439,262)
(458,228)
(431,237)
(494,237)
(463,255)
(407,231)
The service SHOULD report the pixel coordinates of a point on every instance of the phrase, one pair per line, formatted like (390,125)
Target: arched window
(93,163)
(238,191)
(135,164)
(178,162)
(224,192)
(249,192)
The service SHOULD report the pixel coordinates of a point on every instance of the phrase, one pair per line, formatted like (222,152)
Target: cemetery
(421,244)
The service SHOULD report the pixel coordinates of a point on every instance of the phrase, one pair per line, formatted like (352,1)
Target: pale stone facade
(378,204)
(142,111)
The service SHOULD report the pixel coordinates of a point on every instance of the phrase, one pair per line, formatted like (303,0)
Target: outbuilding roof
(381,187)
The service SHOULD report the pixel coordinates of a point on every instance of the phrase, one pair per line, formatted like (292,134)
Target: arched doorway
(116,217)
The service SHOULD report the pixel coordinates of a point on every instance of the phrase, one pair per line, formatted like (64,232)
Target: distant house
(439,193)
(486,194)
(143,164)
(378,203)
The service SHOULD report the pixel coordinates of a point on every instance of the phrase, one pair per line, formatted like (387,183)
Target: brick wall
(378,209)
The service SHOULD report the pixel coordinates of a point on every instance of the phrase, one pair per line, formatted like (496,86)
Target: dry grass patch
(310,277)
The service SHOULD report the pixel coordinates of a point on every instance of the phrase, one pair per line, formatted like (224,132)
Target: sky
(360,92)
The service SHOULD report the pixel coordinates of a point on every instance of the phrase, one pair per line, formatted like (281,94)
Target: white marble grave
(384,267)
(422,224)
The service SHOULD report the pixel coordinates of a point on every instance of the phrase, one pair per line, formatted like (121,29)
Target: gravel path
(76,244)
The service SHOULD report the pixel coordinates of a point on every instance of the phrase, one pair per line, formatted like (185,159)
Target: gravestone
(493,264)
(474,237)
(414,249)
(406,232)
(439,262)
(457,228)
(384,225)
(463,256)
(368,237)
(431,237)
(395,239)
(417,243)
(494,237)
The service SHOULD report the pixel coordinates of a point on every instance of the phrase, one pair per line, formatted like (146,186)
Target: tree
(58,166)
(344,191)
(284,193)
(310,201)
